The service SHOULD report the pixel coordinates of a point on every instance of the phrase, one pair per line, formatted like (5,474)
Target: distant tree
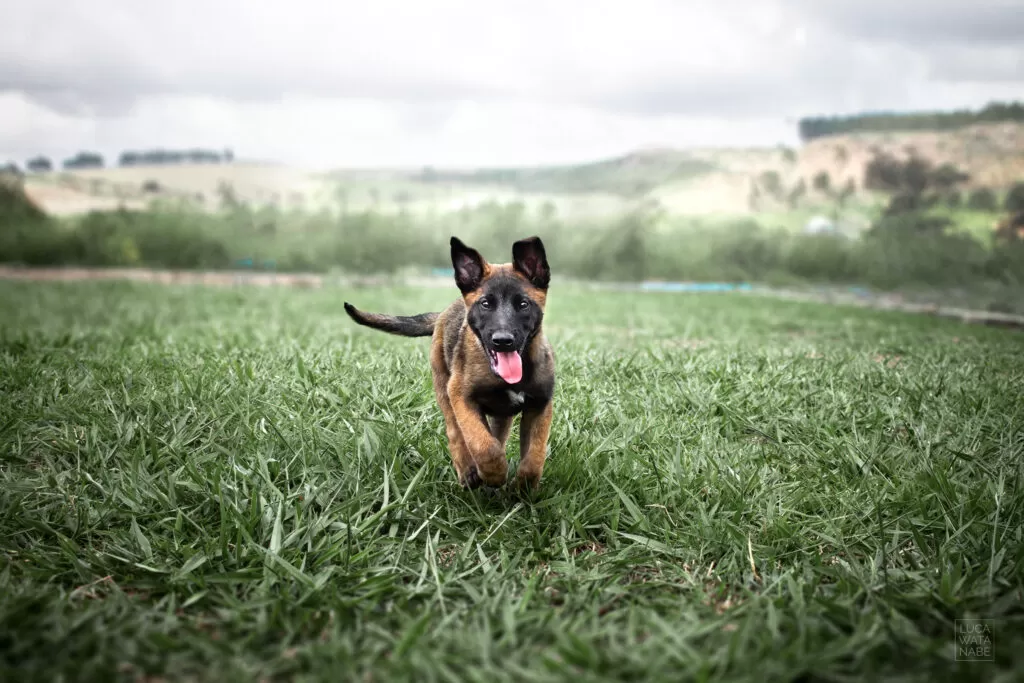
(548,211)
(849,189)
(796,194)
(916,174)
(1014,201)
(811,128)
(84,160)
(159,157)
(151,186)
(228,197)
(341,198)
(842,155)
(822,182)
(39,165)
(228,156)
(947,176)
(754,197)
(884,173)
(11,169)
(904,202)
(788,155)
(771,183)
(954,199)
(982,199)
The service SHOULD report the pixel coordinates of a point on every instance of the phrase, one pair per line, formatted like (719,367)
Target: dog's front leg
(487,453)
(533,445)
(465,470)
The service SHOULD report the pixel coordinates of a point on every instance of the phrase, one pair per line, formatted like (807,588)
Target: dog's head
(504,302)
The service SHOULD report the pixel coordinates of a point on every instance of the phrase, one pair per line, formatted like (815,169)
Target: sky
(480,83)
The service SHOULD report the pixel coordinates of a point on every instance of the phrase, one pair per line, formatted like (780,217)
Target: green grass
(222,485)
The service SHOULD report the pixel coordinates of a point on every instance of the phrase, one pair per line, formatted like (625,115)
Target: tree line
(811,128)
(150,157)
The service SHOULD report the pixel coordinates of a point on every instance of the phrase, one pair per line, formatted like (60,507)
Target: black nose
(502,340)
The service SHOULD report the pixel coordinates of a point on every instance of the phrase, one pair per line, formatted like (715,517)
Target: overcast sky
(480,82)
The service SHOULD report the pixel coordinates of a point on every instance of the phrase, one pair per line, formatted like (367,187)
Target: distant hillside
(202,185)
(992,154)
(684,181)
(631,175)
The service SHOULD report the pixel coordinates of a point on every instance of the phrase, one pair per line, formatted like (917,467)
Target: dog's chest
(516,399)
(503,401)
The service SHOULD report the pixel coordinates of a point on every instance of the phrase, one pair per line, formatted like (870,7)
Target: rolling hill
(684,181)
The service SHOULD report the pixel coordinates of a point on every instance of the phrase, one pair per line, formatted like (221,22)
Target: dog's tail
(421,325)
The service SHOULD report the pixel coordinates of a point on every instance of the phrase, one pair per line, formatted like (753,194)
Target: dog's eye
(485,303)
(523,305)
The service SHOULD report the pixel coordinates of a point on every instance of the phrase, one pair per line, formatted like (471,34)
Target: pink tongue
(510,366)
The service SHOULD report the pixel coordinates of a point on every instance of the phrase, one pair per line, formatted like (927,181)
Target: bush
(771,181)
(822,182)
(917,249)
(982,199)
(907,246)
(1014,201)
(822,257)
(27,235)
(796,194)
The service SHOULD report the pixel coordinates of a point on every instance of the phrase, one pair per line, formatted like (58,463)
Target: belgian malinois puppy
(490,361)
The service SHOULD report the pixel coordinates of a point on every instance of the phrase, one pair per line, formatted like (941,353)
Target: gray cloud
(98,58)
(413,73)
(1001,65)
(924,23)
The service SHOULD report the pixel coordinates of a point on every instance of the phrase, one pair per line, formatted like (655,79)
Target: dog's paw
(471,478)
(527,481)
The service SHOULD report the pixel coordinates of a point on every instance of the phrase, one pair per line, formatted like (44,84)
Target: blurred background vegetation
(867,201)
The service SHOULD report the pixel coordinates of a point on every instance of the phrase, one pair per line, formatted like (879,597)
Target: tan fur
(459,362)
(476,404)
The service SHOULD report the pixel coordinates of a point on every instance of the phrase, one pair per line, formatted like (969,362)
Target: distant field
(239,484)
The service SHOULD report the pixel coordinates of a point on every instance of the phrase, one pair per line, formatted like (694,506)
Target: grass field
(229,484)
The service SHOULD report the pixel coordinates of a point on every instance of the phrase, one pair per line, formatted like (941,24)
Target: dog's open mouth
(507,364)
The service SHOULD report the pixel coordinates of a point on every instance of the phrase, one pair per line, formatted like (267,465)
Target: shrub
(771,181)
(906,246)
(917,249)
(1014,201)
(796,194)
(822,182)
(982,199)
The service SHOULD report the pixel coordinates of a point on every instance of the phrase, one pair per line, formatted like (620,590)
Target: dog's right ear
(469,266)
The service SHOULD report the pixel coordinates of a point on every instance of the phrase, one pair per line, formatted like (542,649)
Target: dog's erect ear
(469,266)
(528,258)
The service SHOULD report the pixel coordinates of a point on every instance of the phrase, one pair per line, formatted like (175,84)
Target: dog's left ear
(528,258)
